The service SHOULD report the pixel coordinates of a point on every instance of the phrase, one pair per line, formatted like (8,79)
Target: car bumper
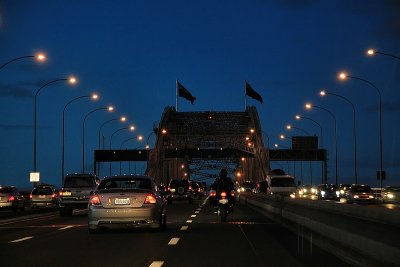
(43,204)
(128,217)
(6,204)
(177,197)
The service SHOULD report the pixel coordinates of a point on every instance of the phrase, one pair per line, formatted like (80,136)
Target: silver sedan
(126,200)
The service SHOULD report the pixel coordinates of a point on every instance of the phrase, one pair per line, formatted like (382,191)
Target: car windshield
(125,183)
(283,182)
(42,191)
(366,189)
(75,181)
(179,183)
(6,190)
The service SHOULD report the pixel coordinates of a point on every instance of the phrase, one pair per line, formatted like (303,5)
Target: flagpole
(245,98)
(176,95)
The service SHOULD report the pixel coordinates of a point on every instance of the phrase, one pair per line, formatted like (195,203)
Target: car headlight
(390,195)
(304,190)
(371,197)
(238,190)
(341,191)
(172,189)
(337,193)
(313,190)
(292,195)
(355,196)
(322,193)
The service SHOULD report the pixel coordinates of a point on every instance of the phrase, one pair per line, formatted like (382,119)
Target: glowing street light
(70,80)
(289,127)
(93,97)
(325,93)
(40,57)
(344,76)
(309,106)
(109,109)
(372,52)
(121,119)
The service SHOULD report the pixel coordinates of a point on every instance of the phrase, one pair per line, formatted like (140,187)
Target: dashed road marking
(21,239)
(184,228)
(173,241)
(197,211)
(156,264)
(189,221)
(66,227)
(193,216)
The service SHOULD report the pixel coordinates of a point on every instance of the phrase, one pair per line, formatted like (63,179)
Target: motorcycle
(225,204)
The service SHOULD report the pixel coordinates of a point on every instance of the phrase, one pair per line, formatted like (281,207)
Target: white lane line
(21,239)
(156,264)
(184,228)
(173,241)
(189,221)
(197,211)
(193,216)
(66,227)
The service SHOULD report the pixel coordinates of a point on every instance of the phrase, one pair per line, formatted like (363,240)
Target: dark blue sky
(132,52)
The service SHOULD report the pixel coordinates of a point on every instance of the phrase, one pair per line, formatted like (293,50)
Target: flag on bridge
(252,93)
(183,92)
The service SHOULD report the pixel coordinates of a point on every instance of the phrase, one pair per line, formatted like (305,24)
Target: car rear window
(125,183)
(6,190)
(73,181)
(283,182)
(179,183)
(365,189)
(42,191)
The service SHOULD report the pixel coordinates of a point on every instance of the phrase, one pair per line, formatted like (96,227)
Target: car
(75,192)
(391,194)
(261,187)
(197,190)
(128,201)
(247,186)
(328,191)
(44,196)
(307,191)
(11,198)
(283,185)
(359,193)
(343,188)
(179,189)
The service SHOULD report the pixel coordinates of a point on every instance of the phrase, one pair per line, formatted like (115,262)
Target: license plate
(223,201)
(42,196)
(66,193)
(122,201)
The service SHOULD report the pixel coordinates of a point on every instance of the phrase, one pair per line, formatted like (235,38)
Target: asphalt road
(193,237)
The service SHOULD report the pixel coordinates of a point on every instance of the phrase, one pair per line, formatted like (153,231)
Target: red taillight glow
(213,193)
(150,199)
(95,200)
(53,195)
(30,196)
(223,194)
(11,199)
(190,188)
(233,193)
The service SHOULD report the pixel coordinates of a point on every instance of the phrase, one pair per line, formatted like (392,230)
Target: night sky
(132,52)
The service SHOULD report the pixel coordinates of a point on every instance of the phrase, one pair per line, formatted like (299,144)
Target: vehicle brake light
(30,196)
(190,187)
(150,199)
(53,195)
(213,193)
(95,200)
(223,194)
(233,193)
(11,199)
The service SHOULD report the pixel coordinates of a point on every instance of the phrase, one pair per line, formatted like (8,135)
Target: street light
(93,97)
(309,107)
(70,80)
(298,117)
(344,76)
(131,128)
(324,93)
(110,109)
(121,119)
(372,52)
(39,57)
(289,127)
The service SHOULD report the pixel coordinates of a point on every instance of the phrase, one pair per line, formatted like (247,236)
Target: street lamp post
(323,93)
(139,138)
(39,57)
(71,80)
(122,119)
(310,106)
(344,76)
(298,117)
(109,108)
(289,127)
(372,52)
(94,97)
(131,128)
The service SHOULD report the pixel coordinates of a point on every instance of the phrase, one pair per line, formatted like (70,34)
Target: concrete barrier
(359,235)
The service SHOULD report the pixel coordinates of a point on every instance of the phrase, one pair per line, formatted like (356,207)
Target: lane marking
(184,228)
(66,227)
(197,211)
(156,264)
(21,239)
(189,221)
(248,240)
(193,216)
(173,241)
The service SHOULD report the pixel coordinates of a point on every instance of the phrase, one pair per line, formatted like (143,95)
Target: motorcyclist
(224,183)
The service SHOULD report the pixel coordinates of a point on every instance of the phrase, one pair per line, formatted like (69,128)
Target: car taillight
(223,194)
(30,196)
(190,188)
(53,195)
(11,199)
(150,199)
(213,193)
(95,200)
(233,193)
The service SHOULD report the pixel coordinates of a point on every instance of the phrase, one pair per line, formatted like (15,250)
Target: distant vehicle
(307,191)
(196,189)
(11,198)
(179,189)
(360,194)
(44,196)
(343,188)
(391,194)
(129,201)
(261,187)
(328,191)
(248,186)
(76,192)
(281,185)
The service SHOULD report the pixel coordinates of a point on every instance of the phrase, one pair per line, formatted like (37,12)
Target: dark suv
(179,189)
(76,191)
